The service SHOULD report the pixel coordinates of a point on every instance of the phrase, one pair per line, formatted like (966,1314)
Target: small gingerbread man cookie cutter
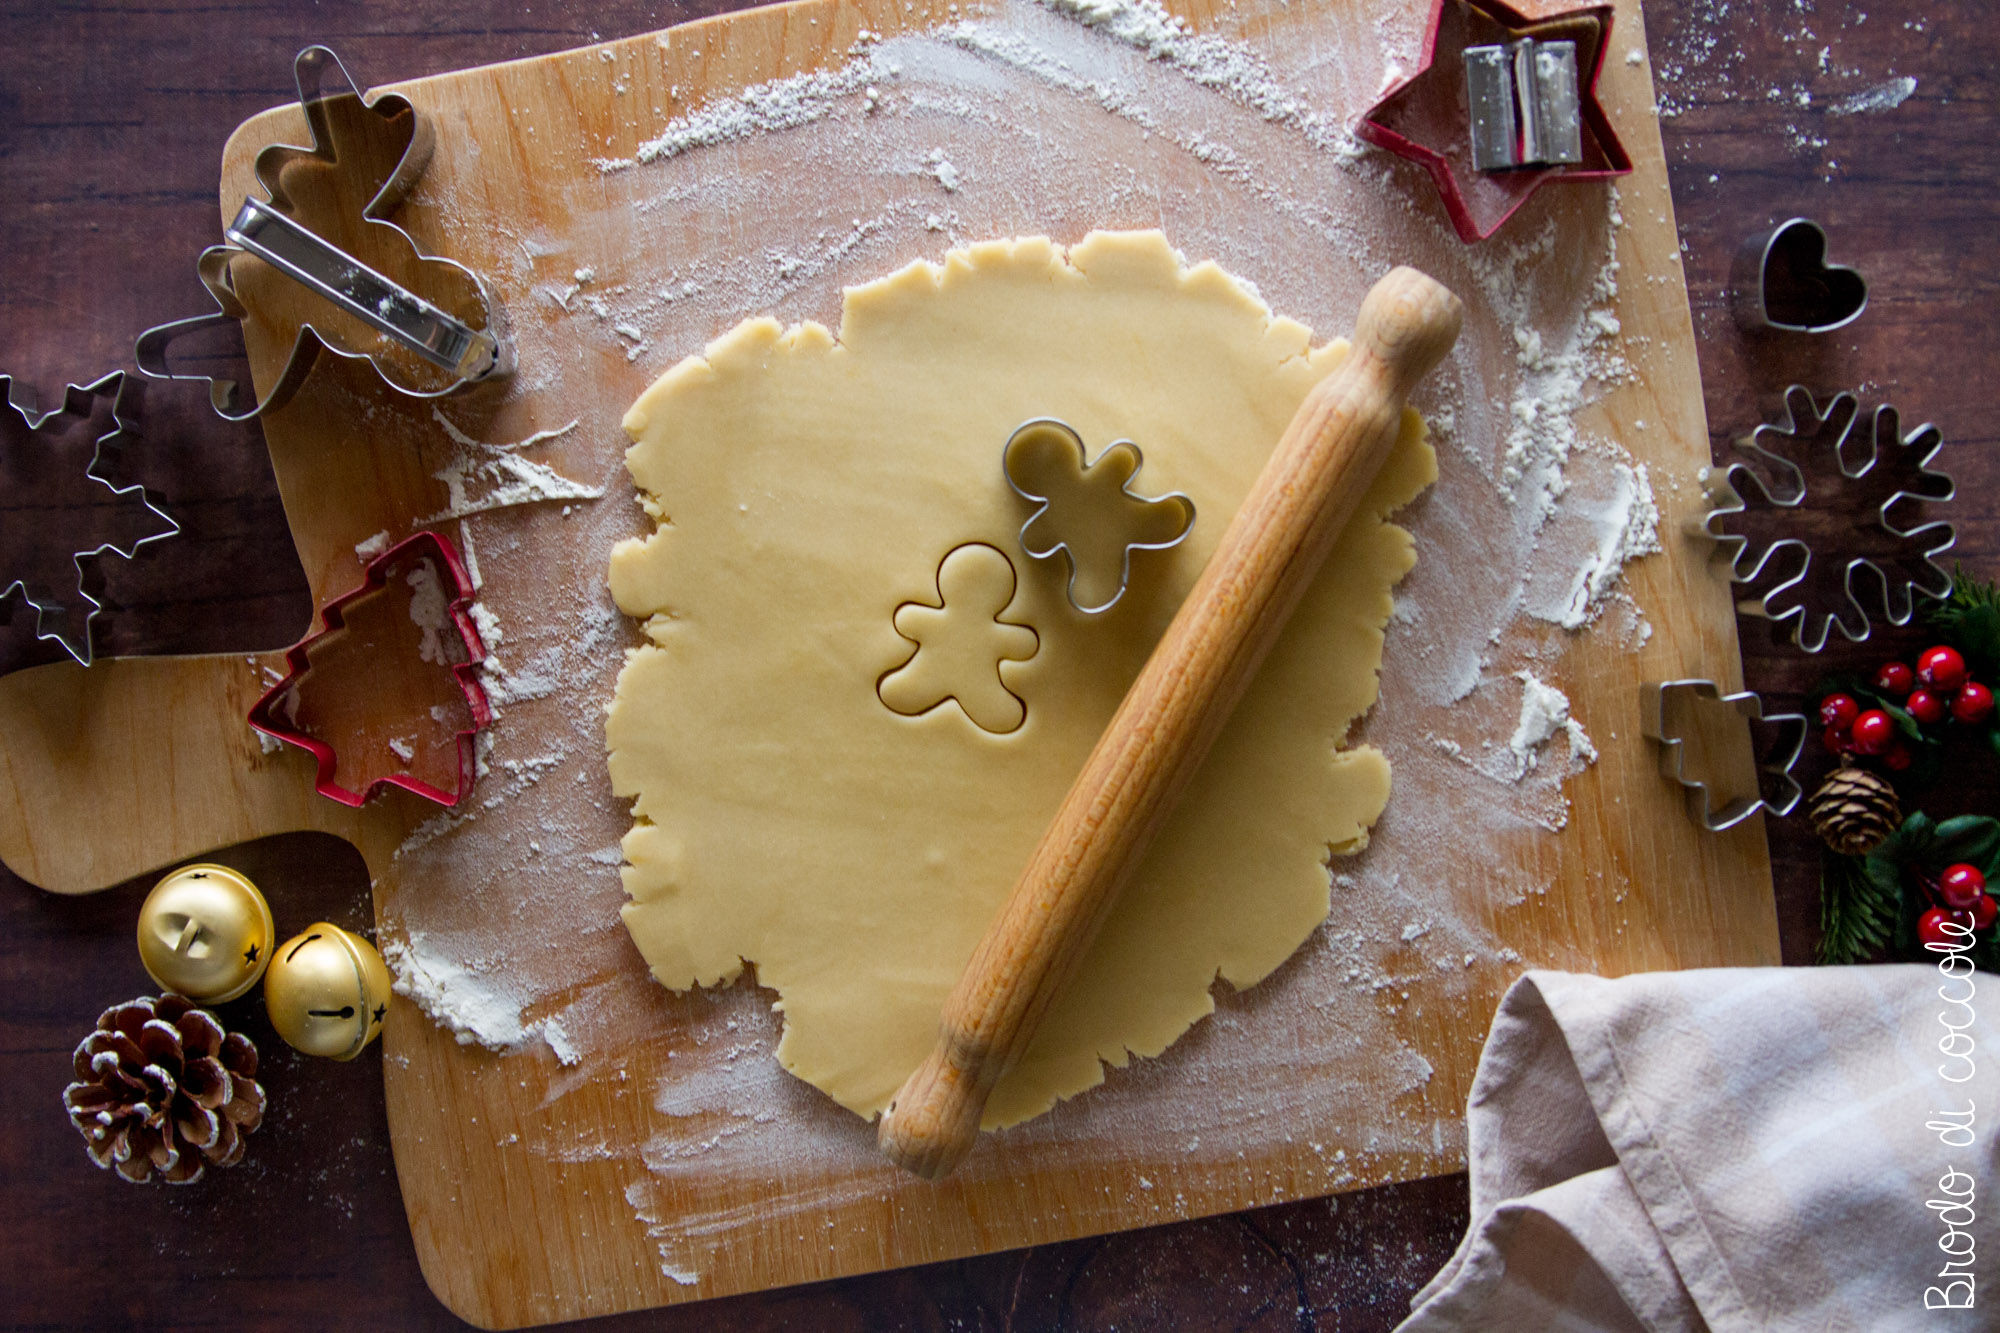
(267,231)
(1121,456)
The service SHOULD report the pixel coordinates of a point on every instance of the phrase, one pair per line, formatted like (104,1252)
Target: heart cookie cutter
(1124,460)
(266,231)
(1780,280)
(275,714)
(1777,790)
(119,398)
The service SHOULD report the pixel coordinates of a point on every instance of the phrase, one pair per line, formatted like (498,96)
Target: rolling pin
(1329,454)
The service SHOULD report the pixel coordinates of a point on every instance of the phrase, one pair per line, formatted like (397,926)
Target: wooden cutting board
(532,1192)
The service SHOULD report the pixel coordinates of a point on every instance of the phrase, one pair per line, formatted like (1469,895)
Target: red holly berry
(1960,886)
(1895,679)
(1973,705)
(1925,707)
(1984,911)
(1941,668)
(1898,757)
(1836,742)
(1838,711)
(1931,927)
(1873,732)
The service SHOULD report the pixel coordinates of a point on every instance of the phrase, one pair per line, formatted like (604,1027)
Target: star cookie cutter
(1781,280)
(1777,790)
(1426,117)
(275,714)
(1910,552)
(1124,460)
(267,231)
(110,405)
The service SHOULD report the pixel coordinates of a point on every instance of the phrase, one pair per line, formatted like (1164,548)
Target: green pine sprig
(1970,621)
(1857,911)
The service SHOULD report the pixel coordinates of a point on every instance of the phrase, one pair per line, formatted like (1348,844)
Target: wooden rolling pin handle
(1294,513)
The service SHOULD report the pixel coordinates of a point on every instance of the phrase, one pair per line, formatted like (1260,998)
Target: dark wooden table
(111,124)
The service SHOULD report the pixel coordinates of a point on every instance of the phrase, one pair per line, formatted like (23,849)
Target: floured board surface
(598,1143)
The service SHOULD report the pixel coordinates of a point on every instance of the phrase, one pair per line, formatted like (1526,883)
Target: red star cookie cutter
(1425,118)
(369,707)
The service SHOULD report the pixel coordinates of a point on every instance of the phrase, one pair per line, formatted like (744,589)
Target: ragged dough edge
(641,570)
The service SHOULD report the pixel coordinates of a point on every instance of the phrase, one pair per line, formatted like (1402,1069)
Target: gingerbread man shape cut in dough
(961,642)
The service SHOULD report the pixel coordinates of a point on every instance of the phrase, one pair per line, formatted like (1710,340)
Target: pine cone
(1855,811)
(161,1087)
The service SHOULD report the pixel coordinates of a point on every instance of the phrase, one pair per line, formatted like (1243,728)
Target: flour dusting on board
(1054,119)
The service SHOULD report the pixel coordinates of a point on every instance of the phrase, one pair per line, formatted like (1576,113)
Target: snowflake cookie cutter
(109,406)
(1123,459)
(1802,584)
(1777,790)
(275,714)
(268,231)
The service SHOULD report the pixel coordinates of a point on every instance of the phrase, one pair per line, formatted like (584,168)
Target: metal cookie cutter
(276,713)
(269,232)
(1169,517)
(1780,280)
(1778,791)
(1523,101)
(1824,593)
(42,497)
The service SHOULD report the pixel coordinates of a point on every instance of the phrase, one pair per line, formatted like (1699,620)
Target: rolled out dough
(806,487)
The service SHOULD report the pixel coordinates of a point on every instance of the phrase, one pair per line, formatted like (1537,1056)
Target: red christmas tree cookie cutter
(1425,117)
(451,641)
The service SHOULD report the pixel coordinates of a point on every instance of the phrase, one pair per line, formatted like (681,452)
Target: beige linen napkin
(1743,1148)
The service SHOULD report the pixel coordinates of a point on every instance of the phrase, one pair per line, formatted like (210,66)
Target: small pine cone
(1855,810)
(161,1087)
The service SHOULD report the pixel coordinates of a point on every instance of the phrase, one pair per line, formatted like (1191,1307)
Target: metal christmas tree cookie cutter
(19,422)
(1778,791)
(274,714)
(1731,489)
(266,230)
(1118,455)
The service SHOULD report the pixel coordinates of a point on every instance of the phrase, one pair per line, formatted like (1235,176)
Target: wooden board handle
(1303,498)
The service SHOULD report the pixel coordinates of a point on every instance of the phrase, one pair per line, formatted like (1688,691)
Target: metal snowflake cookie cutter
(1777,790)
(275,714)
(267,230)
(1172,514)
(1820,593)
(1781,280)
(30,513)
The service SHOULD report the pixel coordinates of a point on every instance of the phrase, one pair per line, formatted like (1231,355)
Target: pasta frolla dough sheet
(829,780)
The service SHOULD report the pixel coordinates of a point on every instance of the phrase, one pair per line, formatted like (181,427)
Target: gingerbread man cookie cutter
(1049,531)
(468,354)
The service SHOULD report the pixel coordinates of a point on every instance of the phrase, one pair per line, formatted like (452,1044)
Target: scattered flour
(430,609)
(1545,715)
(474,1007)
(370,547)
(482,477)
(1885,96)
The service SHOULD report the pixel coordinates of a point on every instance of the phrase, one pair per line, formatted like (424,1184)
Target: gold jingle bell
(327,991)
(205,932)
